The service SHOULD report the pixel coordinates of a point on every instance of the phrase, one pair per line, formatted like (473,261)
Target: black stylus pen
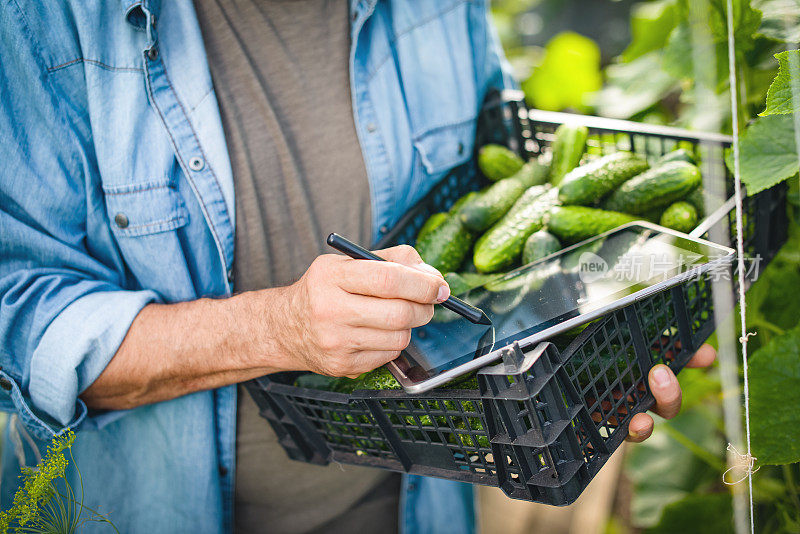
(453,304)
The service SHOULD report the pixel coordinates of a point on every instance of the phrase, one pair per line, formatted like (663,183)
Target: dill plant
(39,506)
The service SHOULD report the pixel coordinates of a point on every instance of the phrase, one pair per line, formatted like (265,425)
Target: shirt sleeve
(63,308)
(496,69)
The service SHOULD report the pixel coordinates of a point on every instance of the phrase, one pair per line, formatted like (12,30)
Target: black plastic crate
(544,421)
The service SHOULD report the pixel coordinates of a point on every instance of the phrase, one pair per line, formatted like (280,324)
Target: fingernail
(428,269)
(661,376)
(444,293)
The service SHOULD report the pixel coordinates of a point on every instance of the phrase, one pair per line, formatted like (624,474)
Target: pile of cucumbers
(533,209)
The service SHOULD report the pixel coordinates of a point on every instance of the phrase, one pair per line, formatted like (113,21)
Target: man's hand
(667,392)
(346,317)
(342,318)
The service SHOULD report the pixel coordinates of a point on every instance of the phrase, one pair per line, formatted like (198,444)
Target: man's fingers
(384,314)
(640,428)
(666,390)
(389,280)
(704,356)
(372,339)
(368,360)
(408,256)
(403,254)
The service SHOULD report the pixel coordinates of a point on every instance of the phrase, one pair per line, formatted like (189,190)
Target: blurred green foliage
(568,73)
(675,71)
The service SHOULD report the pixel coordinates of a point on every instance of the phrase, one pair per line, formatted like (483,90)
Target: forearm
(343,317)
(176,349)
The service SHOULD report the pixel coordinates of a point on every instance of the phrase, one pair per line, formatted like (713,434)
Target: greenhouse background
(665,62)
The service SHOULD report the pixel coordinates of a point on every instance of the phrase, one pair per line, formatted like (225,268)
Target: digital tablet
(553,295)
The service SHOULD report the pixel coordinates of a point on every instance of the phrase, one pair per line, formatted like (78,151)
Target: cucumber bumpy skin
(502,245)
(497,162)
(571,224)
(655,188)
(446,246)
(587,184)
(431,224)
(680,216)
(461,202)
(568,147)
(539,245)
(489,206)
(697,199)
(680,154)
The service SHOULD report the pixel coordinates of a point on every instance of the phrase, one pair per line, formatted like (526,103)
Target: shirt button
(383,229)
(230,276)
(121,220)
(152,52)
(223,470)
(5,383)
(196,164)
(371,127)
(460,148)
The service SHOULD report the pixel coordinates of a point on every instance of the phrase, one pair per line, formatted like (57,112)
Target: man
(126,127)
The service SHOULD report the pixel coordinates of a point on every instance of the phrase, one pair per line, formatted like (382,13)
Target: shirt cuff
(73,351)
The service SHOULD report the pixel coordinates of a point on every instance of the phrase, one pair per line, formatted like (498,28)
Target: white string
(748,459)
(742,462)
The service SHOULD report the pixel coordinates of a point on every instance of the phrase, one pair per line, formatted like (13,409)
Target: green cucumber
(535,172)
(458,286)
(653,215)
(438,218)
(497,162)
(538,245)
(680,216)
(466,199)
(461,283)
(680,154)
(589,183)
(489,207)
(697,199)
(433,222)
(658,187)
(571,224)
(568,147)
(446,246)
(501,246)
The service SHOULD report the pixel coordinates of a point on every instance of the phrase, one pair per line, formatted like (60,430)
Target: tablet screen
(577,283)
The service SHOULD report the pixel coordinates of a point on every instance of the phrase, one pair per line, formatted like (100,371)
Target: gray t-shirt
(281,76)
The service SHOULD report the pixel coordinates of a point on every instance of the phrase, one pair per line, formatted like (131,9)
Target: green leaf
(651,24)
(680,54)
(774,400)
(569,72)
(768,154)
(697,513)
(783,96)
(662,471)
(781,19)
(770,289)
(633,87)
(746,22)
(677,58)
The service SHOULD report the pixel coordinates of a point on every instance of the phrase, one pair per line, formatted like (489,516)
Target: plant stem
(698,450)
(790,483)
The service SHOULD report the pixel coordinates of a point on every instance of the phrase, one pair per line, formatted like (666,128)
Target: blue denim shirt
(116,192)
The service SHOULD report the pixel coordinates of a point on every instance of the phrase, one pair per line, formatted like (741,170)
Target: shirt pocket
(438,151)
(144,208)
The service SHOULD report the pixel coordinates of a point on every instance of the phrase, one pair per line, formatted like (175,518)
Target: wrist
(264,325)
